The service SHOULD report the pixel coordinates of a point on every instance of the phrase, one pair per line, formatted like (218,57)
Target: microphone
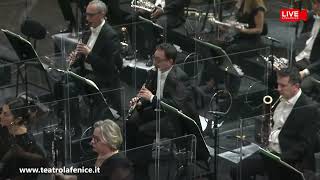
(273,39)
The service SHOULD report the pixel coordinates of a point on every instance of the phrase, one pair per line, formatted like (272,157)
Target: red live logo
(293,15)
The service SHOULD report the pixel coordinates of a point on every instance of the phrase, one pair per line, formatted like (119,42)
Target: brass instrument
(143,4)
(278,63)
(267,121)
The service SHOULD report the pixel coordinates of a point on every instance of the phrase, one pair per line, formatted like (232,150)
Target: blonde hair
(111,133)
(250,5)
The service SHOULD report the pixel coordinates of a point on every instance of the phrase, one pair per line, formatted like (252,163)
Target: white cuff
(306,72)
(151,98)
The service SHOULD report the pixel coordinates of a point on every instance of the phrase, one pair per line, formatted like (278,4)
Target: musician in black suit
(251,12)
(174,90)
(169,14)
(308,59)
(97,57)
(293,132)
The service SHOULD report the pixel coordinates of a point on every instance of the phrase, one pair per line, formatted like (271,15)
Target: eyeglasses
(96,139)
(91,14)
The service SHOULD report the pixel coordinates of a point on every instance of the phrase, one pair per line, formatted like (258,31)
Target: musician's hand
(134,101)
(83,49)
(72,57)
(302,74)
(145,93)
(241,29)
(156,13)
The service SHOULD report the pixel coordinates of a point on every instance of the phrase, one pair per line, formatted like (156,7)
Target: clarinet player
(174,90)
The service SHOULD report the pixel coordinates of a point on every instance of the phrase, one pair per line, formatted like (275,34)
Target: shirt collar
(98,28)
(166,72)
(293,100)
(316,16)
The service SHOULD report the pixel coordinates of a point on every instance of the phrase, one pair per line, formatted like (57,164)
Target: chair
(193,68)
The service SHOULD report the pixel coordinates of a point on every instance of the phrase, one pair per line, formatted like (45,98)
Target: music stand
(277,165)
(226,65)
(202,152)
(24,51)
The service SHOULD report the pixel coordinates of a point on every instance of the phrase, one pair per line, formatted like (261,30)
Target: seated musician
(22,150)
(251,12)
(293,132)
(308,59)
(106,141)
(115,15)
(169,14)
(173,90)
(97,58)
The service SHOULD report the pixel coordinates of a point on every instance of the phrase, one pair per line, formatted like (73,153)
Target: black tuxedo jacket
(174,10)
(177,93)
(104,57)
(297,137)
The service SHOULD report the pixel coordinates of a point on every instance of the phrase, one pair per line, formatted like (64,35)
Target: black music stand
(226,63)
(202,152)
(25,52)
(276,165)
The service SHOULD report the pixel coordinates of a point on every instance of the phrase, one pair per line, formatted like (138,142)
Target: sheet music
(246,152)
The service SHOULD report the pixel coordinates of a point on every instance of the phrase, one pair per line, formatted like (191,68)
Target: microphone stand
(157,111)
(217,116)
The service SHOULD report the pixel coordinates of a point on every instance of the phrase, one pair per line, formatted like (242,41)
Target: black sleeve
(105,61)
(305,136)
(314,67)
(175,5)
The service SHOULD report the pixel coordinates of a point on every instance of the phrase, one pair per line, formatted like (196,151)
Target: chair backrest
(191,66)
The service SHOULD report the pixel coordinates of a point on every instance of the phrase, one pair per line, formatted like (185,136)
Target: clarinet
(149,84)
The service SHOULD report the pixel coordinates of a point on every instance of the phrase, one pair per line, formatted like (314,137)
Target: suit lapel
(86,36)
(100,40)
(292,114)
(169,79)
(315,52)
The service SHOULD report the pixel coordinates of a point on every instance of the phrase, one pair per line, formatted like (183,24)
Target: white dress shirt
(92,40)
(280,116)
(305,54)
(160,3)
(163,78)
